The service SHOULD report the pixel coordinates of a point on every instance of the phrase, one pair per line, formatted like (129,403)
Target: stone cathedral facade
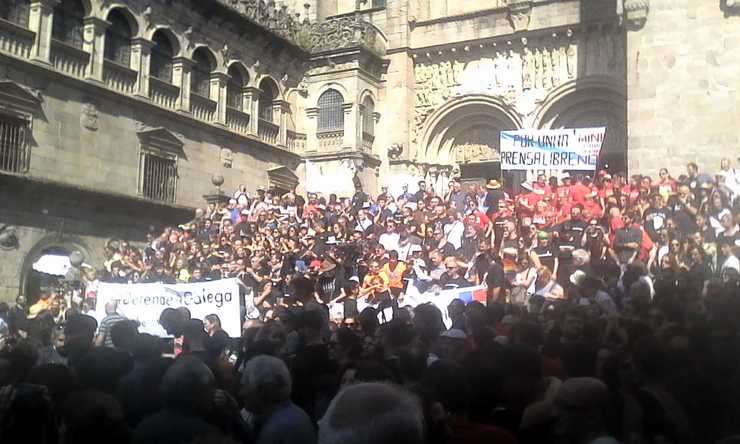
(115,115)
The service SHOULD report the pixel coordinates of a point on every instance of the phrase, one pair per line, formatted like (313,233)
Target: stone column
(251,96)
(280,110)
(218,95)
(40,21)
(351,127)
(93,42)
(141,51)
(181,68)
(312,143)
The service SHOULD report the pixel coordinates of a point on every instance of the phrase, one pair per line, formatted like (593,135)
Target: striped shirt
(105,326)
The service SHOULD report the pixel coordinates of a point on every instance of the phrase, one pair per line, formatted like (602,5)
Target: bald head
(372,413)
(583,394)
(111,307)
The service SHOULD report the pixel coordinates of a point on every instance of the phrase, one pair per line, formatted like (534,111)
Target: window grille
(331,114)
(14,146)
(158,176)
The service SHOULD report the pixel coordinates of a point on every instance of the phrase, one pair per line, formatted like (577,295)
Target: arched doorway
(464,135)
(587,103)
(50,266)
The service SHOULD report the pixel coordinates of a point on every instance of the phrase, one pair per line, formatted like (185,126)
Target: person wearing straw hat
(494,194)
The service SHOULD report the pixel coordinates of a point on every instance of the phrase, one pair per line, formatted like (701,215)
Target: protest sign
(413,298)
(554,149)
(145,302)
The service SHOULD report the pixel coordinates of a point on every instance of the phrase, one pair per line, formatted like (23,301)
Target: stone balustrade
(16,40)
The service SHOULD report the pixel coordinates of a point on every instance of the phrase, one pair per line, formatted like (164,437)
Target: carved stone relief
(521,75)
(89,116)
(227,157)
(519,15)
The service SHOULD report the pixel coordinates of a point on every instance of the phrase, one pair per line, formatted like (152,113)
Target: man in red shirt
(580,189)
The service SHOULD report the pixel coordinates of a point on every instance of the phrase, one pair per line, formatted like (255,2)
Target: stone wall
(88,138)
(683,65)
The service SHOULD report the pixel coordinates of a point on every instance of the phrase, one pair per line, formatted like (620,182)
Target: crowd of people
(612,314)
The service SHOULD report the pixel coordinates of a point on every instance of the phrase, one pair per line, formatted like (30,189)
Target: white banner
(441,299)
(145,302)
(555,149)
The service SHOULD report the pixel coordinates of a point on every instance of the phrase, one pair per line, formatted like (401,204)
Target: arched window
(235,87)
(268,94)
(118,39)
(331,114)
(368,118)
(15,11)
(68,27)
(160,65)
(200,78)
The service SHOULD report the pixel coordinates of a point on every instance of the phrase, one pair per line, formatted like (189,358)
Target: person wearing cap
(544,254)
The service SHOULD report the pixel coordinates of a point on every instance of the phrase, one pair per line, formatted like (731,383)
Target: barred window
(118,39)
(161,60)
(14,147)
(158,176)
(16,11)
(331,114)
(68,24)
(200,78)
(368,117)
(235,87)
(268,94)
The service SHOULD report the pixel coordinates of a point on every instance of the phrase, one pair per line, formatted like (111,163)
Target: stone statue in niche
(89,116)
(572,60)
(537,68)
(546,68)
(528,69)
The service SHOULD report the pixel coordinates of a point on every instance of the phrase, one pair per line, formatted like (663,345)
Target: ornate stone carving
(227,157)
(636,12)
(89,116)
(395,151)
(519,15)
(476,145)
(520,75)
(8,238)
(343,32)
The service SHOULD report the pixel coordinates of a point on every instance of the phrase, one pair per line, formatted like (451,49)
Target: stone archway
(462,138)
(30,280)
(591,102)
